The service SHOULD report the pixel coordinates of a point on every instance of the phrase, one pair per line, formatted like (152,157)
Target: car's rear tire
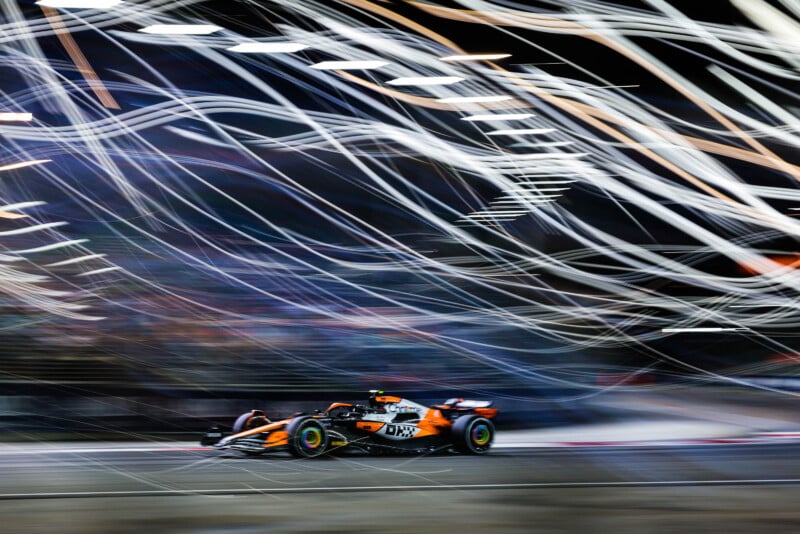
(307,437)
(473,434)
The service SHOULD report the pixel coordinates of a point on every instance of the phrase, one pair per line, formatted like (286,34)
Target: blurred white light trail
(250,183)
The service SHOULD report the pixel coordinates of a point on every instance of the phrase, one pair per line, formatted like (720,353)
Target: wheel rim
(310,438)
(481,435)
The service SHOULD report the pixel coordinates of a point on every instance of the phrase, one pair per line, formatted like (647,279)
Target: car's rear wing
(456,407)
(467,403)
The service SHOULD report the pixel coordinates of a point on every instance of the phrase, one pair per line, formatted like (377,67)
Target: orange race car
(387,424)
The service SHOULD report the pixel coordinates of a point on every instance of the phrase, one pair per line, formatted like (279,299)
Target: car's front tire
(473,434)
(307,437)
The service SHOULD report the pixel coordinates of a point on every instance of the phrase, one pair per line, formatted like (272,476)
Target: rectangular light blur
(475,57)
(488,117)
(15,117)
(268,48)
(349,65)
(425,80)
(79,4)
(181,29)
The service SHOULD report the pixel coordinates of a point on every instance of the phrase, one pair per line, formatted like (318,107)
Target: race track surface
(680,488)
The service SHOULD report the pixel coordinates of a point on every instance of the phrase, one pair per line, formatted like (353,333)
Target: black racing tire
(248,420)
(307,437)
(472,434)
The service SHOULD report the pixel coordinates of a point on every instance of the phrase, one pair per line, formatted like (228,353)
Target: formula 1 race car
(388,424)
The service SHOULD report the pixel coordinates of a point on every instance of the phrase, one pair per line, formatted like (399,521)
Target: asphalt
(684,461)
(653,489)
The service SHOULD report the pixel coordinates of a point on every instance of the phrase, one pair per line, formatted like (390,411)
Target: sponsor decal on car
(399,431)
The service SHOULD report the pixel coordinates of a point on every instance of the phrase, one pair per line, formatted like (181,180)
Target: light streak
(701,330)
(760,305)
(8,116)
(522,131)
(349,65)
(79,259)
(11,215)
(268,48)
(425,80)
(181,29)
(498,117)
(9,211)
(280,200)
(22,205)
(74,51)
(52,246)
(541,144)
(33,228)
(769,18)
(475,99)
(520,199)
(545,182)
(476,57)
(99,271)
(79,4)
(23,164)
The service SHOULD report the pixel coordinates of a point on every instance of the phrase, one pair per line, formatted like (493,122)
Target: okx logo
(400,431)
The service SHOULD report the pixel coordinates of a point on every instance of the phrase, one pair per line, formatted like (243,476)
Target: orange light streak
(553,23)
(79,59)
